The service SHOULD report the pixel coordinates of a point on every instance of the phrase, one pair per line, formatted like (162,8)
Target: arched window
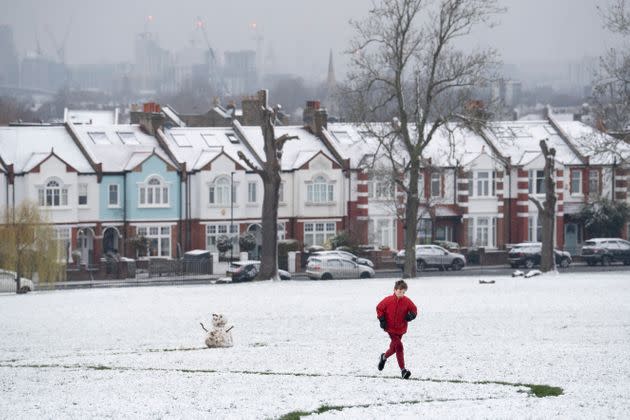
(320,191)
(219,192)
(54,194)
(154,193)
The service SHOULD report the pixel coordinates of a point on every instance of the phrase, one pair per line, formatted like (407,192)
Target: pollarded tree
(547,210)
(406,67)
(28,245)
(270,175)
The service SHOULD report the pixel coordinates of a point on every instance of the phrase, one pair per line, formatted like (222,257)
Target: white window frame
(477,237)
(281,189)
(484,186)
(214,230)
(53,194)
(152,193)
(596,179)
(319,232)
(421,191)
(83,191)
(534,228)
(109,196)
(436,177)
(320,190)
(252,190)
(220,189)
(62,238)
(578,190)
(155,235)
(534,177)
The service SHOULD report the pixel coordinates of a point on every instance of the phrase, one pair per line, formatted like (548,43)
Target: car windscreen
(590,243)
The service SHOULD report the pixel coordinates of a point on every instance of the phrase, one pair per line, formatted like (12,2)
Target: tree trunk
(269,256)
(411,223)
(547,211)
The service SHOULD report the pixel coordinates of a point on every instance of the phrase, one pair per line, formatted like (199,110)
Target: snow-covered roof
(600,147)
(520,141)
(91,117)
(296,152)
(118,147)
(196,146)
(172,115)
(450,146)
(27,146)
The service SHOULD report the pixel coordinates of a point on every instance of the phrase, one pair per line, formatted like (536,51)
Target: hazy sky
(300,32)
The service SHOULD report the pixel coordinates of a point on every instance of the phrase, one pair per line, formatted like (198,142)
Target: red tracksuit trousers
(396,346)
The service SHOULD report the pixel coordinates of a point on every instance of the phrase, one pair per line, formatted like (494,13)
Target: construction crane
(60,48)
(202,27)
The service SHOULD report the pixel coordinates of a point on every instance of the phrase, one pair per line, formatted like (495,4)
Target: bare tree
(611,87)
(406,67)
(270,175)
(547,210)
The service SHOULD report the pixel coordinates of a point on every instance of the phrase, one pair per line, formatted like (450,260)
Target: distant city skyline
(300,34)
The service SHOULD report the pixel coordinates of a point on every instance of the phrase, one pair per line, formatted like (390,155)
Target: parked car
(528,255)
(345,254)
(248,270)
(433,256)
(606,251)
(8,284)
(327,267)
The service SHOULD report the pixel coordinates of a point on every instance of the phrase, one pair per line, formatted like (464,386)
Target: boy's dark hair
(400,285)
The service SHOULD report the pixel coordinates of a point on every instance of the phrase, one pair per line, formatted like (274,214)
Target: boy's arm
(412,311)
(380,308)
(380,314)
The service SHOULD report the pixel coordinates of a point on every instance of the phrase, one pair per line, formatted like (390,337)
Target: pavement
(480,271)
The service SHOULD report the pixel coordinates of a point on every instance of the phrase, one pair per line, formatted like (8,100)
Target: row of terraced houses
(182,185)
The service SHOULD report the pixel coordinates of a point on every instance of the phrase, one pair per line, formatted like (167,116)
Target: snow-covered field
(304,346)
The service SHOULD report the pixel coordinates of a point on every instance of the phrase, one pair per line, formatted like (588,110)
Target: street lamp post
(231,216)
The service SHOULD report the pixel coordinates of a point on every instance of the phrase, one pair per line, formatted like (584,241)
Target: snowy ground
(302,346)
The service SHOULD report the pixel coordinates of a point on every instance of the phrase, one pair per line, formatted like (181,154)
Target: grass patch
(542,391)
(295,415)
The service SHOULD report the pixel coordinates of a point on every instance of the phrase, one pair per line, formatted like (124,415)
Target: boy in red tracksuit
(394,312)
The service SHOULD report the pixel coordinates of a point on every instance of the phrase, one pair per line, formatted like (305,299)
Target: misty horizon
(300,35)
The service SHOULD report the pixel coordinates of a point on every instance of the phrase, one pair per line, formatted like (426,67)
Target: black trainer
(405,373)
(381,361)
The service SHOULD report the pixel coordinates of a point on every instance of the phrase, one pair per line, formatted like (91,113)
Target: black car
(528,255)
(248,270)
(605,251)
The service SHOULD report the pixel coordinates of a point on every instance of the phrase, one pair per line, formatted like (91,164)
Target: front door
(86,246)
(571,238)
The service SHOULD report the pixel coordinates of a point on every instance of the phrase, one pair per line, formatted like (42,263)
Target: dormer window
(232,137)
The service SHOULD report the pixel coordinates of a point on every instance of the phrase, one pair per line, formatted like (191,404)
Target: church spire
(331,82)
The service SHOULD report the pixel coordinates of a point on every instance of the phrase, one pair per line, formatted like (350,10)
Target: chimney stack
(150,118)
(315,118)
(252,107)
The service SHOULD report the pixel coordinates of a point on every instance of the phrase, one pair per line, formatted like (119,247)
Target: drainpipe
(509,224)
(614,167)
(124,233)
(179,212)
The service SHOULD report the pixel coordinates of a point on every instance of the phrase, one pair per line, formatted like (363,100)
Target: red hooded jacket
(395,309)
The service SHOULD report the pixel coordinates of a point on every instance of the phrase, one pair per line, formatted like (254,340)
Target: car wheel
(365,275)
(529,263)
(605,260)
(457,265)
(421,265)
(564,263)
(327,276)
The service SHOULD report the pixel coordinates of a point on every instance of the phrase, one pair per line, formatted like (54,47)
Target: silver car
(346,255)
(333,267)
(433,256)
(8,284)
